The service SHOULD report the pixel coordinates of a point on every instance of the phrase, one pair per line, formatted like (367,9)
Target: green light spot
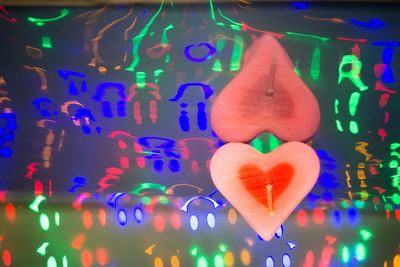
(141,79)
(396,198)
(324,39)
(151,34)
(345,254)
(353,74)
(220,24)
(167,58)
(42,249)
(337,106)
(164,39)
(146,200)
(353,127)
(315,64)
(394,146)
(393,164)
(257,144)
(65,261)
(51,262)
(359,204)
(344,204)
(46,42)
(44,222)
(365,234)
(273,142)
(217,66)
(194,251)
(296,68)
(202,262)
(237,53)
(361,252)
(163,200)
(57,218)
(158,72)
(223,247)
(364,194)
(235,27)
(353,102)
(35,204)
(219,261)
(388,207)
(339,126)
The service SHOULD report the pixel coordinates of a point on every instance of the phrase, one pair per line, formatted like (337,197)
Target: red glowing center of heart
(255,180)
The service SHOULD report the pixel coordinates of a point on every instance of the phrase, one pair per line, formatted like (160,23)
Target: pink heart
(243,109)
(241,174)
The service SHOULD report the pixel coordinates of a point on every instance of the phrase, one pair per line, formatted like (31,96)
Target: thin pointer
(271,80)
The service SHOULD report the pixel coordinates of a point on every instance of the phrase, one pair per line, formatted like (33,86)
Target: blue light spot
(122,218)
(311,205)
(291,245)
(138,215)
(194,222)
(158,165)
(327,196)
(6,152)
(352,216)
(279,232)
(211,220)
(336,218)
(269,262)
(286,260)
(174,165)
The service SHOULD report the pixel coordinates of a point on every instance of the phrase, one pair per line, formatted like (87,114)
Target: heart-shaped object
(266,95)
(265,188)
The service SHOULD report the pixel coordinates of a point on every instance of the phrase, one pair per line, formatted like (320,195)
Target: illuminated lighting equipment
(352,40)
(269,262)
(122,217)
(361,252)
(387,43)
(194,222)
(42,249)
(324,39)
(286,260)
(149,186)
(184,208)
(40,22)
(345,254)
(138,214)
(279,232)
(211,220)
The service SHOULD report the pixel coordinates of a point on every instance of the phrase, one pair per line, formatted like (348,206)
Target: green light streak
(394,146)
(324,39)
(46,42)
(219,261)
(44,222)
(353,102)
(237,53)
(57,218)
(164,40)
(202,262)
(353,127)
(235,27)
(296,68)
(365,234)
(212,10)
(220,24)
(42,249)
(339,126)
(354,73)
(35,204)
(336,106)
(217,67)
(141,79)
(138,39)
(167,58)
(361,252)
(230,20)
(315,64)
(40,22)
(145,186)
(273,142)
(345,254)
(384,198)
(51,262)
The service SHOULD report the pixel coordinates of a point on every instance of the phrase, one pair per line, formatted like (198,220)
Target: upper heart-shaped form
(266,95)
(242,175)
